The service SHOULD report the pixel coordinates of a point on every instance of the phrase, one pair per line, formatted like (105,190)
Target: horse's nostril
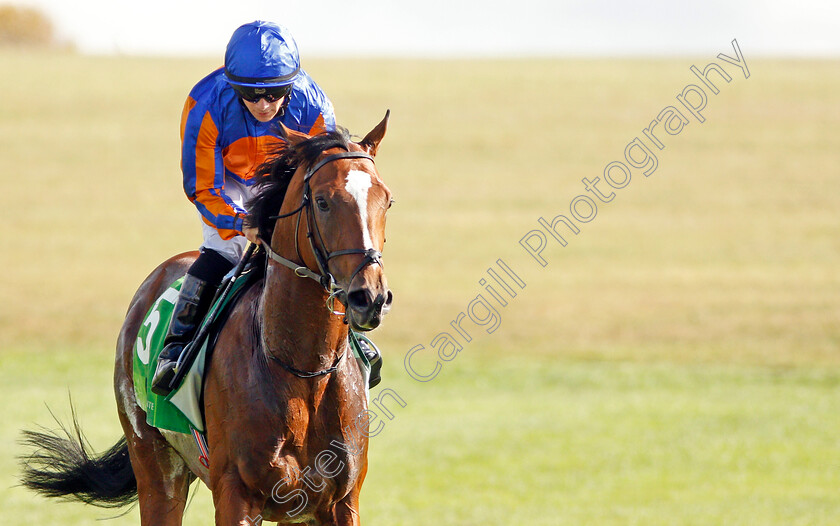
(358,299)
(389,298)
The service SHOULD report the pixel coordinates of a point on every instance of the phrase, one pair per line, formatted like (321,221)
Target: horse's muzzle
(367,307)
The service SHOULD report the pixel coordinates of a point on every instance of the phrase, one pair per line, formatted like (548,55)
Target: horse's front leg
(235,505)
(346,511)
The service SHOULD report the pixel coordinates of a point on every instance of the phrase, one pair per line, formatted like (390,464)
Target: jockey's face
(262,110)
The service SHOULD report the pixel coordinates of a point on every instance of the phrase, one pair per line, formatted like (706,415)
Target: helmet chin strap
(286,100)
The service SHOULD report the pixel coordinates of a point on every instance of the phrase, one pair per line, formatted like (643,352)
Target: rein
(327,280)
(322,256)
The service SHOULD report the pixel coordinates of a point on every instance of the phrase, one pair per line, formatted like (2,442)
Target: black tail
(66,468)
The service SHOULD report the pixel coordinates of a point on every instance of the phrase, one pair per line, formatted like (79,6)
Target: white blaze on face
(358,184)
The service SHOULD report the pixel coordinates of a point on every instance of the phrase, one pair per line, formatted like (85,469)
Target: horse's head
(332,220)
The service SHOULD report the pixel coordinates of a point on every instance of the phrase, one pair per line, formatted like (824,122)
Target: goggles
(253,95)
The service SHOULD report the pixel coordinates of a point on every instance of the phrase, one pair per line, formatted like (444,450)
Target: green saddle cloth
(181,410)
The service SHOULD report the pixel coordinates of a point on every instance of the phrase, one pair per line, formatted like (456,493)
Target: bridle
(322,254)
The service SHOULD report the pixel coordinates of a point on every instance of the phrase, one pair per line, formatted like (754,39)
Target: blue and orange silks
(221,141)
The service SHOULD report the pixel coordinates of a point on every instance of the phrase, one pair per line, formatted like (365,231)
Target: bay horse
(285,402)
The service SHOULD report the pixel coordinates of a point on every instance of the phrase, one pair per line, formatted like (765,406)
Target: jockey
(228,127)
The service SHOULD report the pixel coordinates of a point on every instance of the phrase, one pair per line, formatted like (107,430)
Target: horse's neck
(297,327)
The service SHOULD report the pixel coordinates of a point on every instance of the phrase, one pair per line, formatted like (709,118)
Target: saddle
(182,409)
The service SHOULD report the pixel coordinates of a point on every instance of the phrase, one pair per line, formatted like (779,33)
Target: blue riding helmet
(261,54)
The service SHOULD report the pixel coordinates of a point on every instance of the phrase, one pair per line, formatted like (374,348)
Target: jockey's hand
(252,234)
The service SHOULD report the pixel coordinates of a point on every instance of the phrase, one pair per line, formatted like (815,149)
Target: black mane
(274,175)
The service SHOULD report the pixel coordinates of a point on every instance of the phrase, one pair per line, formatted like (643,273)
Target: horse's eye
(390,203)
(322,204)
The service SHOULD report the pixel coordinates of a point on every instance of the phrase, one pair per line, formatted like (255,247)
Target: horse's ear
(292,137)
(372,139)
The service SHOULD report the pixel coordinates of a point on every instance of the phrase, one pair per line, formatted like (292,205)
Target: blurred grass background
(677,363)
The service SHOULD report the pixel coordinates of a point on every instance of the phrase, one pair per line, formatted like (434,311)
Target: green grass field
(678,363)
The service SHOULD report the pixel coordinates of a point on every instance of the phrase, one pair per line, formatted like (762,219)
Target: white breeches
(233,248)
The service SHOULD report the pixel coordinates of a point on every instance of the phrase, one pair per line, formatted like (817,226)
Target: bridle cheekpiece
(322,254)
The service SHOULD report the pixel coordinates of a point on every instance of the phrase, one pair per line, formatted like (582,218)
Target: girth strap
(309,374)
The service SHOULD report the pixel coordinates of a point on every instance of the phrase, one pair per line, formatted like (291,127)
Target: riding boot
(374,357)
(190,308)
